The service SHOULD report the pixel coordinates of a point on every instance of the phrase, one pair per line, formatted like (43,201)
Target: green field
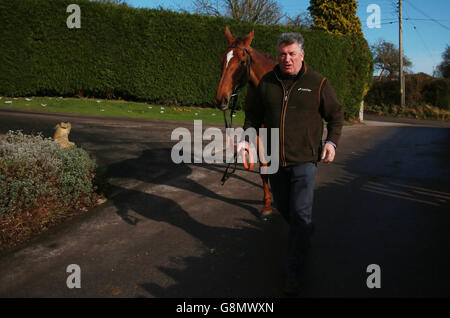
(119,108)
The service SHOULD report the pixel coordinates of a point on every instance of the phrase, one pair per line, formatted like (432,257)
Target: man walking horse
(295,99)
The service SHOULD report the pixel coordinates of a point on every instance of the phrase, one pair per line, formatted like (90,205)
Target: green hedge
(420,89)
(152,55)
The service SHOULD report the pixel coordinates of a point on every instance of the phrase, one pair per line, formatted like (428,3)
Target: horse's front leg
(249,103)
(267,209)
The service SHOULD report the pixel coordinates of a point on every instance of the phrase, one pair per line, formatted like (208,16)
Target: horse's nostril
(224,101)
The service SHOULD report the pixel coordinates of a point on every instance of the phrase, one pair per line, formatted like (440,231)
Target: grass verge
(119,108)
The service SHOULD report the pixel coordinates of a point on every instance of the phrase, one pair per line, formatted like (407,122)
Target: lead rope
(233,108)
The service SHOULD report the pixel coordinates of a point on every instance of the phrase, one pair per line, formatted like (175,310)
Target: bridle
(233,108)
(235,94)
(245,79)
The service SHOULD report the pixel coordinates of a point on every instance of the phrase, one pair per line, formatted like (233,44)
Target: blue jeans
(293,192)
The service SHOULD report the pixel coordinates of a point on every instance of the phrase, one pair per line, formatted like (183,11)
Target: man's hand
(242,148)
(328,153)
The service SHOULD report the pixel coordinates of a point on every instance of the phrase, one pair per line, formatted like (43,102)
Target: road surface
(172,230)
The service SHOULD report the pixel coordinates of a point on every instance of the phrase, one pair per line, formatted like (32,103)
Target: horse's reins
(233,108)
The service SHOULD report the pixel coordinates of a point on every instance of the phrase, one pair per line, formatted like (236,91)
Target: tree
(444,67)
(302,20)
(386,59)
(335,16)
(208,7)
(253,11)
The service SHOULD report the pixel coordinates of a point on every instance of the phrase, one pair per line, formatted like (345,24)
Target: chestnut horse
(242,64)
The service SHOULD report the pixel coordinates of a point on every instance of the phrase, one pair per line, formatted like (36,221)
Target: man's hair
(289,38)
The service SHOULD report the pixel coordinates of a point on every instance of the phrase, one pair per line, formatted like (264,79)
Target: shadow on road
(388,206)
(231,254)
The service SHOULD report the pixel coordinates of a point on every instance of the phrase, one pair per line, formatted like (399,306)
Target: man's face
(291,58)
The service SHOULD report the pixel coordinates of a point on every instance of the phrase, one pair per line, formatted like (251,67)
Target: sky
(426,25)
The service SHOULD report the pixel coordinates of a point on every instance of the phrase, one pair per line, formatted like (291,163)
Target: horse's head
(235,68)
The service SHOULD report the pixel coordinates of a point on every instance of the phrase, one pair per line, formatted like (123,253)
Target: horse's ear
(228,35)
(249,38)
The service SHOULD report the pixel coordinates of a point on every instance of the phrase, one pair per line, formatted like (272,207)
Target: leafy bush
(417,112)
(437,93)
(420,89)
(383,93)
(149,55)
(40,183)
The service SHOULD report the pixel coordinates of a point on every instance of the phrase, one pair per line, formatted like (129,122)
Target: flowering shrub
(41,183)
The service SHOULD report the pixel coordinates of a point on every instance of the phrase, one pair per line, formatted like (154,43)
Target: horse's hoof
(266,215)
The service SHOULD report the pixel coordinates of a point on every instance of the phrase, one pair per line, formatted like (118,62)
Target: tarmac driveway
(172,230)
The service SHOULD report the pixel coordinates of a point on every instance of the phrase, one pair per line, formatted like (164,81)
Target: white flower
(43,105)
(213,115)
(102,110)
(234,115)
(28,99)
(162,112)
(150,107)
(8,102)
(98,101)
(15,98)
(196,114)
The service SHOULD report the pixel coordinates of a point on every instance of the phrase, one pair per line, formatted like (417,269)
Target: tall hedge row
(153,55)
(420,89)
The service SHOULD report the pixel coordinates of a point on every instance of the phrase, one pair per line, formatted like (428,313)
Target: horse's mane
(238,41)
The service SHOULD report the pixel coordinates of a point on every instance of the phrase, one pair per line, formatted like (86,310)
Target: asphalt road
(172,230)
